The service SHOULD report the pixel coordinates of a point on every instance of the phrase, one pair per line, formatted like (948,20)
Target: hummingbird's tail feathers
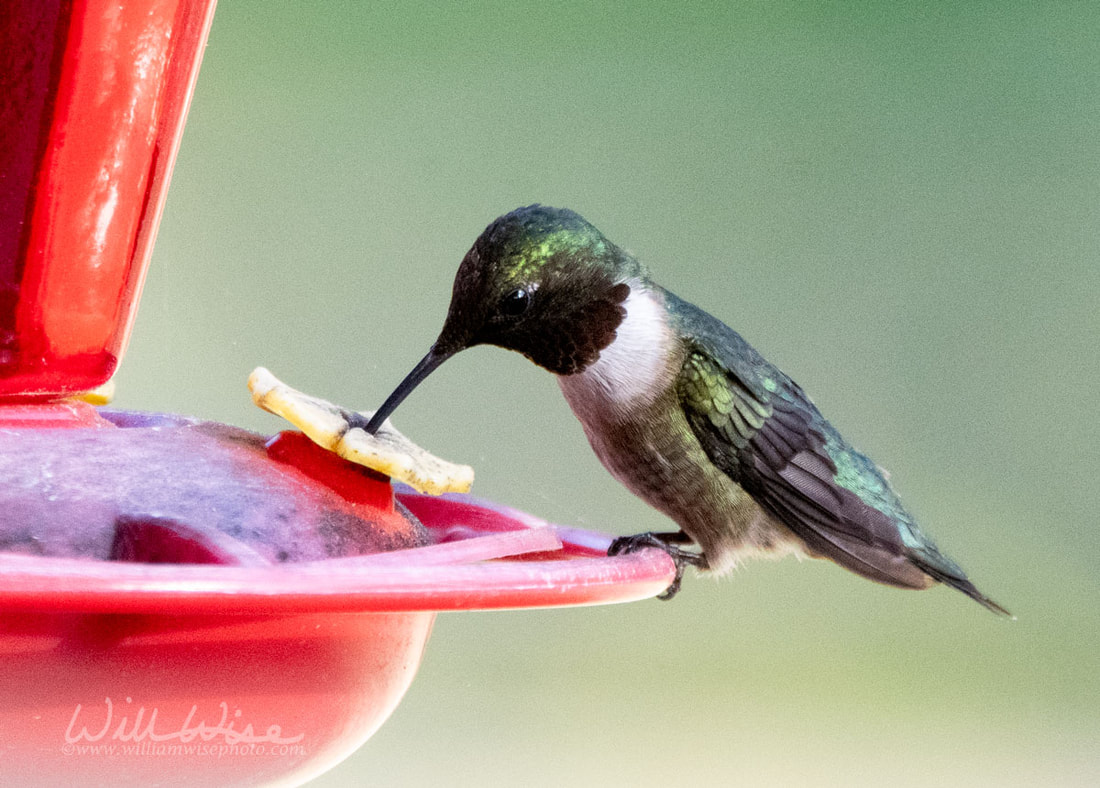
(960,582)
(873,561)
(853,517)
(833,522)
(865,541)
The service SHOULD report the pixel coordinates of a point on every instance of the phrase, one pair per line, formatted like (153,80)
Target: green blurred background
(896,202)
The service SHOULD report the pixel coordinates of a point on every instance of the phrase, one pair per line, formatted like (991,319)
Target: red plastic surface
(153,513)
(94,96)
(53,415)
(579,574)
(275,699)
(236,669)
(347,480)
(131,674)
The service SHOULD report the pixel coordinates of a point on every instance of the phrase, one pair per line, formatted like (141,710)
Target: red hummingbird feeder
(185,602)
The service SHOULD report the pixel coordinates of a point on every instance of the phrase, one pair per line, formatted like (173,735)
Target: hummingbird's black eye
(515,303)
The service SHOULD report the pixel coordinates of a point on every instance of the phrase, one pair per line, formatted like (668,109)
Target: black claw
(667,542)
(673,587)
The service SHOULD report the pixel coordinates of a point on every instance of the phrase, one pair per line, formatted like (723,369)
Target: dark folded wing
(774,444)
(758,427)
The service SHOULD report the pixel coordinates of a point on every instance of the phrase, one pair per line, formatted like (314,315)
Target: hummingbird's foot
(667,542)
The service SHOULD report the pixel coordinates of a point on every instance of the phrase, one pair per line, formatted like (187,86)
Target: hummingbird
(679,408)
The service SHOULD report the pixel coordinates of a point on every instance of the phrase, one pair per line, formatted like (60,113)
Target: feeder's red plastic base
(206,700)
(150,641)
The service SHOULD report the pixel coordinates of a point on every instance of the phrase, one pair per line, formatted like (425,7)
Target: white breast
(635,368)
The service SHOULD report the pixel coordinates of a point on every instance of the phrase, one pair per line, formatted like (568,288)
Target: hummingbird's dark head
(541,281)
(544,282)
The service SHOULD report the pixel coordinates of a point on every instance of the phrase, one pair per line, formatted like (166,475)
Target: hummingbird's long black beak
(426,366)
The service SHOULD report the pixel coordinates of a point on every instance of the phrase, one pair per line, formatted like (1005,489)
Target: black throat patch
(570,340)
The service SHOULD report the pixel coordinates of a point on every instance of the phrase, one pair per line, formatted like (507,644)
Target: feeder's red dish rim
(579,574)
